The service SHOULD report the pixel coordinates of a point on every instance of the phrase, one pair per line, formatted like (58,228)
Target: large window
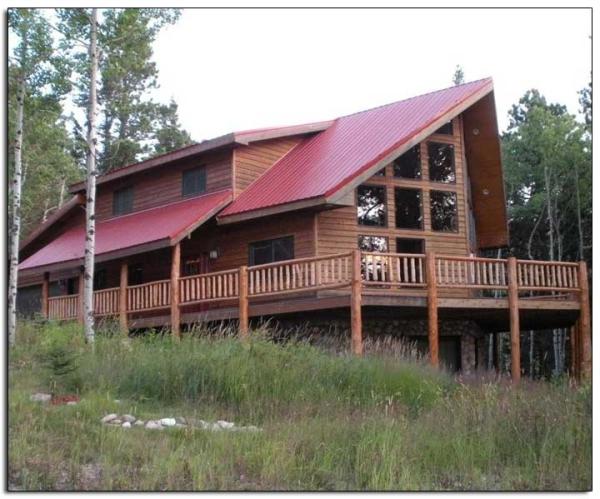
(409,212)
(406,245)
(193,181)
(271,250)
(444,212)
(409,164)
(371,205)
(441,162)
(123,201)
(373,243)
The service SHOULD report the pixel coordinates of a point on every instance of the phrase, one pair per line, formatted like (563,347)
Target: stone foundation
(467,333)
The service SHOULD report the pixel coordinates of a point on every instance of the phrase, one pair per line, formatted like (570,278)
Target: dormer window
(123,201)
(193,181)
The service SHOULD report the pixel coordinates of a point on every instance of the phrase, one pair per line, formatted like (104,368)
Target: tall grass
(331,422)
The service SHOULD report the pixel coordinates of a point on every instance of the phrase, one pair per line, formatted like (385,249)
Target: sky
(232,70)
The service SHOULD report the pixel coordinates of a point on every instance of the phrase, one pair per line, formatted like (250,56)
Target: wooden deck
(500,294)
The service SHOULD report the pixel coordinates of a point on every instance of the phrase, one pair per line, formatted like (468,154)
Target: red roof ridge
(416,97)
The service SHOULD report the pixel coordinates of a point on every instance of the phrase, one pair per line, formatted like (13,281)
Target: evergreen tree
(458,78)
(168,132)
(132,123)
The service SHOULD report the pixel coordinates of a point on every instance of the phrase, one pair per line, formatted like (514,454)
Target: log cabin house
(374,221)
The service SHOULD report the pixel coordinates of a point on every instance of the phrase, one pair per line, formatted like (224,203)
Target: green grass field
(330,421)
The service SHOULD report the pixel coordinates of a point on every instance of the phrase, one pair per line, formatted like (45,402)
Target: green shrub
(59,352)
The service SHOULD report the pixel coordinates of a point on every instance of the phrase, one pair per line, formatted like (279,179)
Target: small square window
(371,206)
(409,164)
(412,246)
(193,181)
(373,243)
(444,211)
(409,208)
(271,250)
(123,201)
(441,162)
(446,129)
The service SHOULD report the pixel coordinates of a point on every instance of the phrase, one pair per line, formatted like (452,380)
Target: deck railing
(305,274)
(106,301)
(215,286)
(149,296)
(63,307)
(383,271)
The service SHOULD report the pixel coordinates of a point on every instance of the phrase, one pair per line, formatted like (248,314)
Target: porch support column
(575,351)
(515,328)
(175,312)
(123,299)
(80,292)
(432,310)
(243,301)
(45,294)
(585,326)
(356,304)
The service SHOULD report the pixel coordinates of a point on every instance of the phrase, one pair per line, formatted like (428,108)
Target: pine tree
(458,78)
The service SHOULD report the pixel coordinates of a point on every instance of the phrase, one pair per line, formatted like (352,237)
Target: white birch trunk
(15,230)
(90,206)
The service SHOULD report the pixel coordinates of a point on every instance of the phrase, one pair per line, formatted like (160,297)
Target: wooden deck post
(585,326)
(80,292)
(432,310)
(243,301)
(575,351)
(515,328)
(175,312)
(356,304)
(45,294)
(123,299)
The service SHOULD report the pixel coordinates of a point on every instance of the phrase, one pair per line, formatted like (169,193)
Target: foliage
(134,125)
(458,78)
(59,354)
(328,433)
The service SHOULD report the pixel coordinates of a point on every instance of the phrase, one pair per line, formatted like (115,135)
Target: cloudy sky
(238,69)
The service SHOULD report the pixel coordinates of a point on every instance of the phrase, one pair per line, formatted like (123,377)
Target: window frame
(385,205)
(117,206)
(386,238)
(419,177)
(454,194)
(434,143)
(197,169)
(271,241)
(421,207)
(421,239)
(448,123)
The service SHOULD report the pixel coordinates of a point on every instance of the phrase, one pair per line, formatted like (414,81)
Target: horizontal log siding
(232,241)
(254,160)
(338,228)
(162,185)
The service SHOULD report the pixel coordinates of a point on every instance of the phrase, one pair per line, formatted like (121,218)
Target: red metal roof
(323,164)
(166,223)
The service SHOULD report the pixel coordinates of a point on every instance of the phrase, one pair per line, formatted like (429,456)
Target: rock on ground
(154,425)
(109,417)
(40,397)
